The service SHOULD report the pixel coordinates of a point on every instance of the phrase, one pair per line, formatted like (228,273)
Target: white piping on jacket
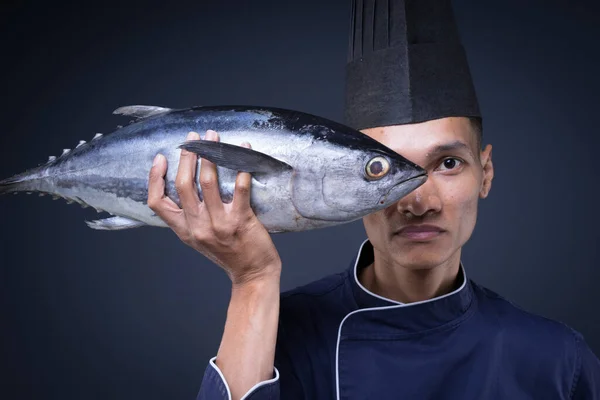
(253,388)
(396,305)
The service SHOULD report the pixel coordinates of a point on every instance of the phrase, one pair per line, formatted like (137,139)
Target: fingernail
(191,136)
(157,159)
(210,135)
(246,144)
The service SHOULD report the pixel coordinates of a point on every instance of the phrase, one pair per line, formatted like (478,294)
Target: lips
(421,232)
(420,228)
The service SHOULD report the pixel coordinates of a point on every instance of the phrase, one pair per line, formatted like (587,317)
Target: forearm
(247,352)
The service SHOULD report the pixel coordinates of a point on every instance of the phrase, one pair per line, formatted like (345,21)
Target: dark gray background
(137,314)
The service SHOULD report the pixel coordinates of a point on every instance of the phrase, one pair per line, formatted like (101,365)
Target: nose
(425,199)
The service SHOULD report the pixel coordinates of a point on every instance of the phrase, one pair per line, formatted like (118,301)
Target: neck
(388,279)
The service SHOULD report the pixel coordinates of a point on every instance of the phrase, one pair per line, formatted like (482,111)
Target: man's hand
(228,234)
(231,236)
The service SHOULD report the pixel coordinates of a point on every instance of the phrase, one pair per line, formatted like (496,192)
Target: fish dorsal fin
(141,112)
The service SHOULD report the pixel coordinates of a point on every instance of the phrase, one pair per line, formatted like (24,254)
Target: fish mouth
(413,183)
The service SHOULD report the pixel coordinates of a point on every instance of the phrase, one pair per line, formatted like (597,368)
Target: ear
(488,171)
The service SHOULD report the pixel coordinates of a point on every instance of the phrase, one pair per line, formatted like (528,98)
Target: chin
(419,255)
(419,263)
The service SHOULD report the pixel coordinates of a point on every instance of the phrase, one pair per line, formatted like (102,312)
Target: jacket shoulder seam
(577,371)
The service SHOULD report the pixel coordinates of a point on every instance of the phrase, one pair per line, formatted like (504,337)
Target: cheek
(461,202)
(376,221)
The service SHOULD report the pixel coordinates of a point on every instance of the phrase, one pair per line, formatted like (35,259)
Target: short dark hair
(477,124)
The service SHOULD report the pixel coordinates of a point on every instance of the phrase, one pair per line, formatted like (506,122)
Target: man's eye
(450,163)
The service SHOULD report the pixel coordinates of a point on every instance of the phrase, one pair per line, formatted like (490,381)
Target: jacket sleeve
(586,384)
(214,386)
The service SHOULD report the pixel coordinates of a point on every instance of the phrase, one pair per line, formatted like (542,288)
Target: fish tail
(12,185)
(25,182)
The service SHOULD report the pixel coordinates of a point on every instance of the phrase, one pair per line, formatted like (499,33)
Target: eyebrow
(446,147)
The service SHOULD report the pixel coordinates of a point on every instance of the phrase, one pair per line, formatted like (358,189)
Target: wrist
(255,297)
(269,275)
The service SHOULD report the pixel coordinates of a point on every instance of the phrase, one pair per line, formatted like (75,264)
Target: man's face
(458,177)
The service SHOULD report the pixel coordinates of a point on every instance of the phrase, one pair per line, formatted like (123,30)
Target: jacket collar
(407,317)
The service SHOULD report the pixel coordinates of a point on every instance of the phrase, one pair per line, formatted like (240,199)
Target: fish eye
(377,167)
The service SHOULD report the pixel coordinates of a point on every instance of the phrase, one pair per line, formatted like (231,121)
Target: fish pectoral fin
(141,112)
(114,224)
(235,157)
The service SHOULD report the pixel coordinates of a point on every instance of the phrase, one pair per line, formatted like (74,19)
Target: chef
(403,320)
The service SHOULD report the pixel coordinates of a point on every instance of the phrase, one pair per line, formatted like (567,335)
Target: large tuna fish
(308,172)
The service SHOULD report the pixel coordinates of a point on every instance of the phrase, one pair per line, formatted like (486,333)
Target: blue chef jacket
(337,340)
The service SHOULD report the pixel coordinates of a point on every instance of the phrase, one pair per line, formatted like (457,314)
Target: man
(403,322)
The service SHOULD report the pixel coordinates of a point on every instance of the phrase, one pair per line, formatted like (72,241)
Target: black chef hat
(406,64)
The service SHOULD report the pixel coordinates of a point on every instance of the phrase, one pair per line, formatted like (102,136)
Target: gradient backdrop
(137,314)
